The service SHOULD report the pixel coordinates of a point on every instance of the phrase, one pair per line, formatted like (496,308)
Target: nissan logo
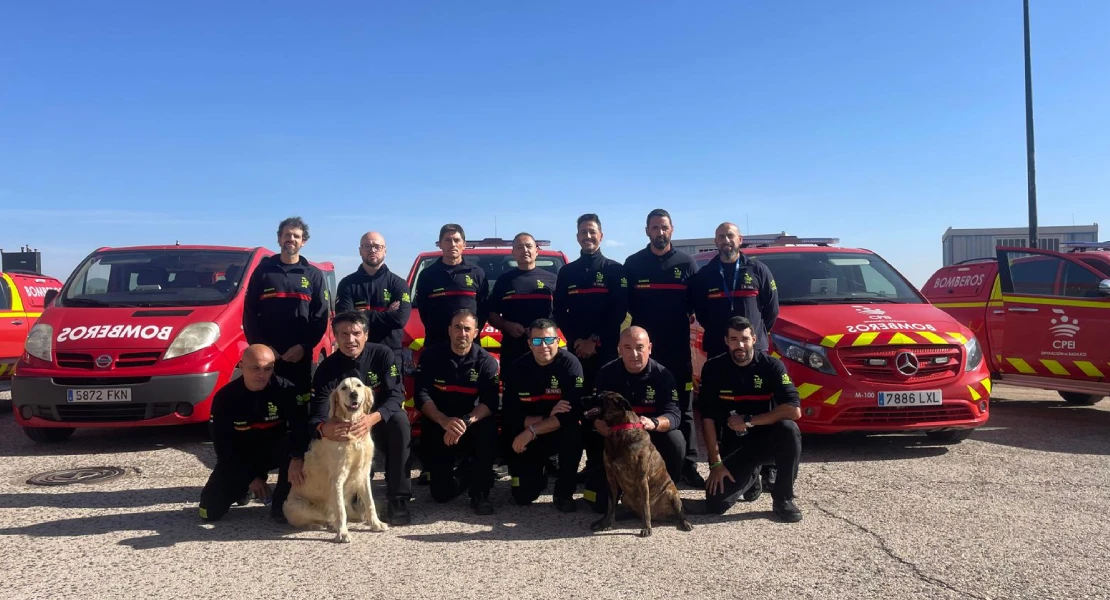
(103,361)
(906,363)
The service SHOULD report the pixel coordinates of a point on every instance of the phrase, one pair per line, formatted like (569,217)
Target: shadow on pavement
(105,499)
(855,447)
(1048,426)
(187,438)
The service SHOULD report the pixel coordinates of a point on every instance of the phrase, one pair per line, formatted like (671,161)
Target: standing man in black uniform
(542,406)
(388,423)
(286,307)
(591,301)
(383,294)
(748,406)
(252,419)
(520,296)
(732,284)
(650,388)
(457,389)
(450,284)
(659,300)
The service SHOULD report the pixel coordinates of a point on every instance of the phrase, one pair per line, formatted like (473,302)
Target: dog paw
(685,525)
(378,525)
(601,525)
(344,537)
(645,533)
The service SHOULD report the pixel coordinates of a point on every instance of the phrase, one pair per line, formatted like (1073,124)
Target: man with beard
(286,307)
(383,294)
(448,285)
(748,406)
(660,302)
(520,296)
(591,301)
(734,285)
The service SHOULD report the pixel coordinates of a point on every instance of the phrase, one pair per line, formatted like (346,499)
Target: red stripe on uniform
(744,397)
(541,398)
(460,389)
(300,295)
(528,297)
(374,308)
(268,425)
(467,293)
(643,409)
(660,286)
(589,291)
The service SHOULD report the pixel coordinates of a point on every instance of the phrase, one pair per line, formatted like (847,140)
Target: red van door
(14,325)
(1057,315)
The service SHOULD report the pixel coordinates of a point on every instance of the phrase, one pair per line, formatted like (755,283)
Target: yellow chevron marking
(1021,366)
(776,355)
(1088,368)
(974,394)
(865,339)
(489,342)
(807,389)
(958,337)
(1054,366)
(932,337)
(901,338)
(834,398)
(986,383)
(416,344)
(831,340)
(409,403)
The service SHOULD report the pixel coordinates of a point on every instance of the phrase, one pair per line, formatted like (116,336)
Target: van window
(820,277)
(5,295)
(1079,282)
(170,277)
(1035,274)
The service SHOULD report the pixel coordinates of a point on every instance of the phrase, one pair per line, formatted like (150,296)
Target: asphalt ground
(1019,510)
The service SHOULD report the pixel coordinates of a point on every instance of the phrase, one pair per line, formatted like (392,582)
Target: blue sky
(881,123)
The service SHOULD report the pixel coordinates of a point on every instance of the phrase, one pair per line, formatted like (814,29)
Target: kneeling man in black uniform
(388,423)
(457,391)
(748,406)
(542,405)
(650,388)
(252,417)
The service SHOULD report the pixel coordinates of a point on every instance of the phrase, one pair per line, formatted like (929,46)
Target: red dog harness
(623,426)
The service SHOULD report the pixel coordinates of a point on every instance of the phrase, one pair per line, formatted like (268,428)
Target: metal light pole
(1031,167)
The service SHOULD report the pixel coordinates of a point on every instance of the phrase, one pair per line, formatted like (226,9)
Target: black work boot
(786,510)
(397,511)
(481,505)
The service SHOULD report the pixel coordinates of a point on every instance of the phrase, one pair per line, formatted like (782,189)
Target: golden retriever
(335,472)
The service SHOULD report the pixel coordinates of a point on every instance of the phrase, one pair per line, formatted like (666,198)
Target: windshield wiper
(85,302)
(790,302)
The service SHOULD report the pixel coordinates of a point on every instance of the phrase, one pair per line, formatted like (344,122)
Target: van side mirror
(52,293)
(1104,287)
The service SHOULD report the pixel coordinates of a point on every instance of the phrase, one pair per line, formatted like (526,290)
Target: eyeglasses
(377,247)
(536,341)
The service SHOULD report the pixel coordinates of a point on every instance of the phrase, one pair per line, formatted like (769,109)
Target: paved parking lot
(1017,511)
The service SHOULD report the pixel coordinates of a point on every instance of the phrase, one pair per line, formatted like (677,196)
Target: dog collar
(623,426)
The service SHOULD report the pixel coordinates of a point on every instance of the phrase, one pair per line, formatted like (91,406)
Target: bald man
(251,419)
(650,389)
(381,293)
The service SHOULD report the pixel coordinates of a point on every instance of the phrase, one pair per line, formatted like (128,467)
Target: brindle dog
(634,466)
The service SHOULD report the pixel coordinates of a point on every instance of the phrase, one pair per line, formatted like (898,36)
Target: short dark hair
(541,324)
(295,223)
(659,212)
(357,317)
(452,228)
(738,323)
(464,312)
(588,217)
(522,234)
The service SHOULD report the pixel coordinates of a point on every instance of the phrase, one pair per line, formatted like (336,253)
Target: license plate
(914,398)
(98,395)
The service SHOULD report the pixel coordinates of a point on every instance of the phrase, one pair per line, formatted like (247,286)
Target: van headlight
(974,354)
(809,355)
(196,336)
(40,342)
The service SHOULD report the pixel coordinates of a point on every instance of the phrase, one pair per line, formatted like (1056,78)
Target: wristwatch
(654,422)
(466,419)
(748,421)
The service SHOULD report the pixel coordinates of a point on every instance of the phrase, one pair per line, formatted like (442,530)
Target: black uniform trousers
(780,443)
(528,469)
(300,374)
(476,448)
(670,445)
(682,371)
(394,437)
(230,480)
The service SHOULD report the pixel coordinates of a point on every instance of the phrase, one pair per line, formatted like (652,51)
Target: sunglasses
(536,341)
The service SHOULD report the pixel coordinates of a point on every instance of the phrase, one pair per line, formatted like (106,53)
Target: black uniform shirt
(745,288)
(532,390)
(521,297)
(659,301)
(651,392)
(248,425)
(376,367)
(456,384)
(754,389)
(442,289)
(286,305)
(591,298)
(373,294)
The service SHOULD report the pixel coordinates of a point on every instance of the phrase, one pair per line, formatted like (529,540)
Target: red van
(865,349)
(22,295)
(1042,316)
(139,336)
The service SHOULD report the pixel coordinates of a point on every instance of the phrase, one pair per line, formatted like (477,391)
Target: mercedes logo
(906,363)
(103,361)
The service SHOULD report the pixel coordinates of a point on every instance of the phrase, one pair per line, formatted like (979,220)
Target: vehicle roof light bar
(790,240)
(1081,246)
(500,243)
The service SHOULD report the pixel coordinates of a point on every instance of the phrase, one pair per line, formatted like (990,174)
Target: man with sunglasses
(383,294)
(542,405)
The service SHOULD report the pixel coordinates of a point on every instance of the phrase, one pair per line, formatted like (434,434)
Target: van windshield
(169,277)
(836,277)
(492,264)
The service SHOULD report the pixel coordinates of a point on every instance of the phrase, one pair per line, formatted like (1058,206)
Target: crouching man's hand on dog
(716,481)
(362,426)
(260,490)
(296,471)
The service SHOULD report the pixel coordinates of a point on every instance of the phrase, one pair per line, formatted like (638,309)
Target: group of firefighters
(267,418)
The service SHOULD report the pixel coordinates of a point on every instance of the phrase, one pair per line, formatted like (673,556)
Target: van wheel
(48,435)
(949,435)
(1080,399)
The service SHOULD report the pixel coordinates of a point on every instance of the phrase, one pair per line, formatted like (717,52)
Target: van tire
(1080,399)
(949,435)
(49,435)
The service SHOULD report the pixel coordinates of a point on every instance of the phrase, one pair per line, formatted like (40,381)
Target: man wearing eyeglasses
(383,294)
(542,405)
